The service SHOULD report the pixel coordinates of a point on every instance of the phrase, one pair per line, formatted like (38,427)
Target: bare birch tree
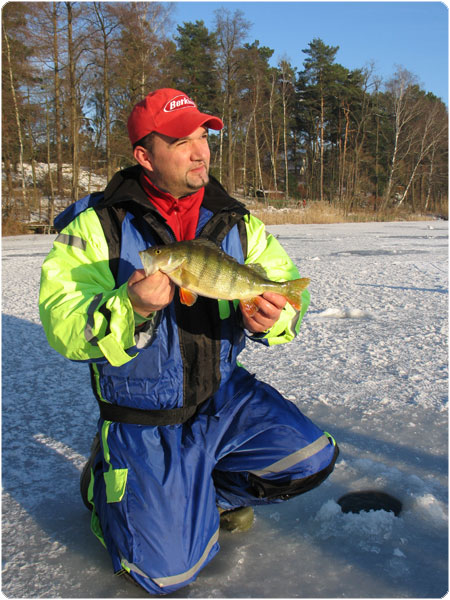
(143,31)
(107,27)
(57,98)
(286,93)
(73,110)
(231,31)
(429,130)
(12,86)
(401,90)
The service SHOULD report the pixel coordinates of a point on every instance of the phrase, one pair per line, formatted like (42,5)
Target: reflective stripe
(88,334)
(330,437)
(182,577)
(109,345)
(130,567)
(71,240)
(296,457)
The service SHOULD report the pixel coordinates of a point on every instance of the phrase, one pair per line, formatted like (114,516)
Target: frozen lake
(370,366)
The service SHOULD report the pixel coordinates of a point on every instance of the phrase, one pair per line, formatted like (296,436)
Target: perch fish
(200,268)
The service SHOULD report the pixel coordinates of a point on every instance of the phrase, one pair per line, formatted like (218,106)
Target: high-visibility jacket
(172,362)
(182,427)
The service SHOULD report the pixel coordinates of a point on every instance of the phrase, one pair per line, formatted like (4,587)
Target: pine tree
(315,88)
(195,60)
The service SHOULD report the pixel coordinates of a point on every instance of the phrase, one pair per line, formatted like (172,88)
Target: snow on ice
(370,366)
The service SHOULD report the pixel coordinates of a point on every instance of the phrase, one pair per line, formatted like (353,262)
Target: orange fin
(294,291)
(187,297)
(250,307)
(296,305)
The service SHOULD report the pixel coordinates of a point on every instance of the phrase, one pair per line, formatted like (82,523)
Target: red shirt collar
(181,214)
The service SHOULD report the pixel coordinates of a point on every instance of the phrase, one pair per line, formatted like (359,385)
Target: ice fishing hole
(366,500)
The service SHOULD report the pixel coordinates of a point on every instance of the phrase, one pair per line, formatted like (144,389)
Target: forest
(72,71)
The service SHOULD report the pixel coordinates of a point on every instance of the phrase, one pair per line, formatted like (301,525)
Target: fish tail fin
(294,291)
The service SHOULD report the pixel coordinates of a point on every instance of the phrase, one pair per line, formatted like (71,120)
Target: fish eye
(157,251)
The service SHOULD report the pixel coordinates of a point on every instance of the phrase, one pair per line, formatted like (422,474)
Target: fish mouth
(148,262)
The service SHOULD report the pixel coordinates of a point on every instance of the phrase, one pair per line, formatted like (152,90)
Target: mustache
(199,163)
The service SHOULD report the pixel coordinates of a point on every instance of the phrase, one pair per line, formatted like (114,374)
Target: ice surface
(370,366)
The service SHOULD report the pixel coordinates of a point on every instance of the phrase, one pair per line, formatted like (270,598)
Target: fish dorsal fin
(258,269)
(206,243)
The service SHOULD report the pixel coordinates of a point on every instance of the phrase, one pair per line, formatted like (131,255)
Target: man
(185,433)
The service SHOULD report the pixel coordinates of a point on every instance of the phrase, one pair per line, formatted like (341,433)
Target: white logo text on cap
(179,102)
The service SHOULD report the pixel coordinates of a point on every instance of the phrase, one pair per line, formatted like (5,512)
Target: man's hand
(148,294)
(269,307)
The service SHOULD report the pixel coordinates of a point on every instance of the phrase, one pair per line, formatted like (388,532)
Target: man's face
(179,166)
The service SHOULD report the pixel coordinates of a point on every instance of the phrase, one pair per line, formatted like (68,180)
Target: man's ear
(143,158)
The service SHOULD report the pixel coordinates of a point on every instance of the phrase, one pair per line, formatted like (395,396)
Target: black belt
(137,416)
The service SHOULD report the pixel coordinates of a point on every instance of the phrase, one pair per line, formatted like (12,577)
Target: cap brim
(183,125)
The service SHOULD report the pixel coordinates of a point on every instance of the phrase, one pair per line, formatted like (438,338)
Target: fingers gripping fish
(200,268)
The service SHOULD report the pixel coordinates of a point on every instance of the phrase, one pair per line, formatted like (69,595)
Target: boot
(237,520)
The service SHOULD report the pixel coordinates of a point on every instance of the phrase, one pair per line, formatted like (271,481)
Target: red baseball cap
(169,112)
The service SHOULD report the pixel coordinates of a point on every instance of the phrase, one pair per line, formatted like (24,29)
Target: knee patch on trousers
(264,488)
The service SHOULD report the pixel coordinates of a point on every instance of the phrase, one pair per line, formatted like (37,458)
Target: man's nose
(199,150)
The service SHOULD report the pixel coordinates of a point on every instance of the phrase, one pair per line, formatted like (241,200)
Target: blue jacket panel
(184,353)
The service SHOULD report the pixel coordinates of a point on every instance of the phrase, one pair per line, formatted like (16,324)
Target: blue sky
(413,35)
